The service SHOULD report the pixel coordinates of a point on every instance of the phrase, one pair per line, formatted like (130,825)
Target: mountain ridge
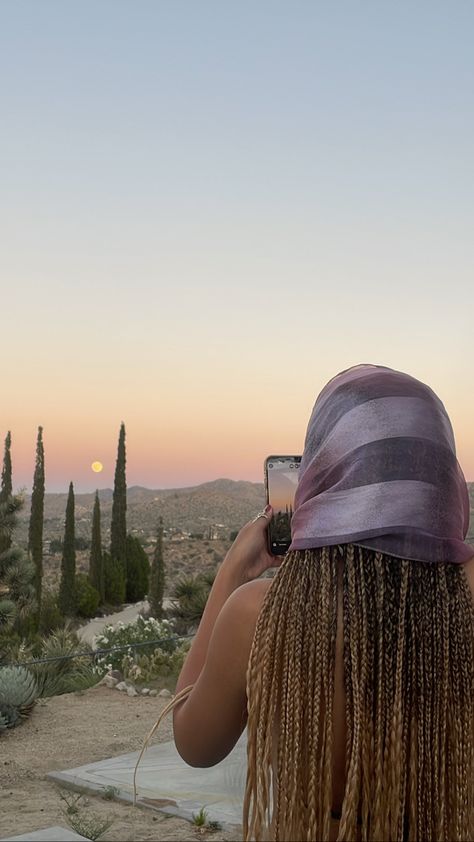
(222,504)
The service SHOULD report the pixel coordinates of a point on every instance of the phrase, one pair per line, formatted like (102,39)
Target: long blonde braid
(408,630)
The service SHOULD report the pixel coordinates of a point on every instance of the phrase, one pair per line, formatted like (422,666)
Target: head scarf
(379,469)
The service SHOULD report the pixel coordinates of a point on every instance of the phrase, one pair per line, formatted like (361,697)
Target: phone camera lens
(270,465)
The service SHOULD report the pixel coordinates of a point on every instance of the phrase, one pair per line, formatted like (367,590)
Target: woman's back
(356,671)
(399,744)
(339,718)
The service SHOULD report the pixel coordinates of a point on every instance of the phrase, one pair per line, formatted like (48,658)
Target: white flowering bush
(124,635)
(155,664)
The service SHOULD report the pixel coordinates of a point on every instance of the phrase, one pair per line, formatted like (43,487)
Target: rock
(109,681)
(121,686)
(131,691)
(153,692)
(116,674)
(165,694)
(145,691)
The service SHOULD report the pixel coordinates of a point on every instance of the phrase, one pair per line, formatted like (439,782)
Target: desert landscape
(68,731)
(198,524)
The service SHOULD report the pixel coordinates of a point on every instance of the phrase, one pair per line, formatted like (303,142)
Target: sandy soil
(70,730)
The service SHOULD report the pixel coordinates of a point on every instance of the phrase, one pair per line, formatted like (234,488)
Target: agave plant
(18,693)
(9,716)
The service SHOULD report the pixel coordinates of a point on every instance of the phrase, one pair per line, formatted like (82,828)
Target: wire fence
(93,653)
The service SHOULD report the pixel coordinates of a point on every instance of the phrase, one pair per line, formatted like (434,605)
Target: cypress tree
(96,562)
(138,570)
(67,587)
(118,530)
(6,489)
(35,533)
(157,578)
(114,580)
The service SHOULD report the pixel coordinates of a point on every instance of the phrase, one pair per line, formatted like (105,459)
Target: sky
(209,209)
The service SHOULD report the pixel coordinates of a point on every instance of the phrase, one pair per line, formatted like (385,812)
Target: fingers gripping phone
(281,479)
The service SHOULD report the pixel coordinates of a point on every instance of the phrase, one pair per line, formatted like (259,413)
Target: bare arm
(209,721)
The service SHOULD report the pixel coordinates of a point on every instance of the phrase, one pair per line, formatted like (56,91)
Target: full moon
(97,467)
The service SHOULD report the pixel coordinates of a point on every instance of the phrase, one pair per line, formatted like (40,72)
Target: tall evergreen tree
(6,489)
(67,587)
(114,580)
(157,577)
(118,530)
(138,570)
(35,533)
(96,561)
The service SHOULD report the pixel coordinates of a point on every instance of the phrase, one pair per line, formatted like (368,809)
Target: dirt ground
(68,731)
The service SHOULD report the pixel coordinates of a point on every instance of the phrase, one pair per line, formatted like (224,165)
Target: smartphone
(281,479)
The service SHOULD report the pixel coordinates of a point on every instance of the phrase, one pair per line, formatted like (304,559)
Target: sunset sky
(208,209)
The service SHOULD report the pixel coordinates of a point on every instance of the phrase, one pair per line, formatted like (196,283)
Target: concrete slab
(48,834)
(166,783)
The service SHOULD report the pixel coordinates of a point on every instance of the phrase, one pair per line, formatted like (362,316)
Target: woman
(353,668)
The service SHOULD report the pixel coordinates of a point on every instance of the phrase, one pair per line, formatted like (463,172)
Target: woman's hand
(248,556)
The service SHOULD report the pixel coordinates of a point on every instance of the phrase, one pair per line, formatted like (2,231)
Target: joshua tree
(67,588)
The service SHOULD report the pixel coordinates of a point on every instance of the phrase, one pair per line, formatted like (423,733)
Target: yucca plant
(68,673)
(188,587)
(192,593)
(207,578)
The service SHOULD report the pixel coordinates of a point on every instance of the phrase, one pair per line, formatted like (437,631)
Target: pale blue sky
(232,201)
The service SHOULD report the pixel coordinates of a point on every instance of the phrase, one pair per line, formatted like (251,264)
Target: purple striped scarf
(379,469)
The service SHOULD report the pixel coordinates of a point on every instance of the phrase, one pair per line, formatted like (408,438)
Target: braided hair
(408,640)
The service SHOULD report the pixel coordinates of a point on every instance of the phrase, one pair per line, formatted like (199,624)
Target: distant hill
(220,506)
(213,508)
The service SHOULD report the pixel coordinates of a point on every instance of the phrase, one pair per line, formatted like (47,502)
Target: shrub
(87,596)
(156,664)
(50,616)
(122,635)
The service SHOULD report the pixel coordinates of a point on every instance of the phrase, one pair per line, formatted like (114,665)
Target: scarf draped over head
(379,469)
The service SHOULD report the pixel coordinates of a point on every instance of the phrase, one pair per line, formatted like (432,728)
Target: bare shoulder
(238,618)
(252,594)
